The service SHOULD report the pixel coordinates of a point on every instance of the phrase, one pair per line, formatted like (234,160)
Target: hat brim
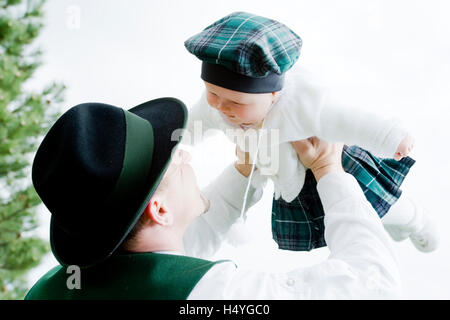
(166,115)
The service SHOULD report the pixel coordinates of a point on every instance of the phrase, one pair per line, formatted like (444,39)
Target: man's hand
(404,148)
(243,164)
(319,156)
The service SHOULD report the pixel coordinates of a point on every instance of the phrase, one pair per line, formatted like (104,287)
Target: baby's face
(240,108)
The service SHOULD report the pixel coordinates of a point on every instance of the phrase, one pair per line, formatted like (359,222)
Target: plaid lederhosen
(299,225)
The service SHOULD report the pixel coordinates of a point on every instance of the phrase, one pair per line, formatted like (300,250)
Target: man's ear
(158,212)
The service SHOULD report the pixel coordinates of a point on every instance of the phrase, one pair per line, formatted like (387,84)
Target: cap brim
(167,116)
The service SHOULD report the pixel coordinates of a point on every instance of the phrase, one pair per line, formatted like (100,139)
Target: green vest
(139,276)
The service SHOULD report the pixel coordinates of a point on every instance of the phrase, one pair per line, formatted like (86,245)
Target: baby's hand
(404,148)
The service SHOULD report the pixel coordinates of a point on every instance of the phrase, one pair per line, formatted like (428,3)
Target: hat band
(137,158)
(223,77)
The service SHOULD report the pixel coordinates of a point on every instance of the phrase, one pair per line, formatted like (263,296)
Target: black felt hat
(96,170)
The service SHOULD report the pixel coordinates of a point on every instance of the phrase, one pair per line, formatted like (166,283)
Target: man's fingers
(314,140)
(305,150)
(243,157)
(302,146)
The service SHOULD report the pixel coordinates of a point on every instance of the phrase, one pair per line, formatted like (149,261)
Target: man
(132,217)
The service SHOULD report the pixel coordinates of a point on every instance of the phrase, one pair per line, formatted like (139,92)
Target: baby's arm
(200,123)
(382,136)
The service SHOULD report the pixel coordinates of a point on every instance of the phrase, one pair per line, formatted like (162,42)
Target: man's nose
(183,156)
(186,156)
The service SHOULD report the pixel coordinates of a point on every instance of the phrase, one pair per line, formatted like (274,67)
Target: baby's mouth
(233,120)
(243,125)
(246,126)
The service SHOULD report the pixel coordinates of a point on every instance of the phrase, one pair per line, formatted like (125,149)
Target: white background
(386,56)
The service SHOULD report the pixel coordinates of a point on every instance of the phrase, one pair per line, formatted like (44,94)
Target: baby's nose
(223,108)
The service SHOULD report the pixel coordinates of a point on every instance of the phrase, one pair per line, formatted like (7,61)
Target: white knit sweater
(304,109)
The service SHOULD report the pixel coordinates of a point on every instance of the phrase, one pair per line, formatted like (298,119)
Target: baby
(253,84)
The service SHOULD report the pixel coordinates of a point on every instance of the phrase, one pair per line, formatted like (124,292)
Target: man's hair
(131,238)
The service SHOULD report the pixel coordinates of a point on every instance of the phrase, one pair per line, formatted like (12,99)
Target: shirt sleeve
(361,264)
(205,235)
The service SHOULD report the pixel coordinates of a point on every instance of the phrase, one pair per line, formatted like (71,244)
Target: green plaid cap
(247,44)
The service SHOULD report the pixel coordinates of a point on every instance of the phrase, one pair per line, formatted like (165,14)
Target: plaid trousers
(299,225)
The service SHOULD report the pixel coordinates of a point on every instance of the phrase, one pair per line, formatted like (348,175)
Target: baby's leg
(406,219)
(401,213)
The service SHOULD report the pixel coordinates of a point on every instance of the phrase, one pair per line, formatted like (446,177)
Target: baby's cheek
(211,101)
(250,114)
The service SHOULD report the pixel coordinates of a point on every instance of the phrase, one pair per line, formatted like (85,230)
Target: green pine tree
(24,118)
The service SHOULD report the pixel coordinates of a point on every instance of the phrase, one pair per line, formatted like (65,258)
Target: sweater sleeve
(200,124)
(307,108)
(337,122)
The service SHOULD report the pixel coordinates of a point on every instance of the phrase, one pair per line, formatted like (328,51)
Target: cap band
(221,76)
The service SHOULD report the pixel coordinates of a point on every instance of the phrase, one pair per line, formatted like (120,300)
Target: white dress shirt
(362,264)
(304,109)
